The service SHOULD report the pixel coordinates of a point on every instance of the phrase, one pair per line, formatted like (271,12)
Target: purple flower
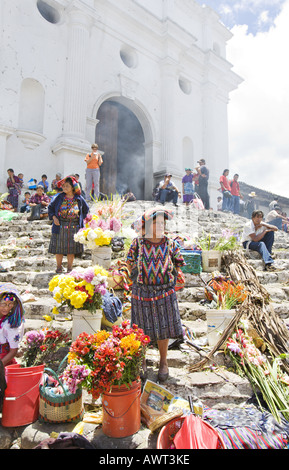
(234,348)
(35,338)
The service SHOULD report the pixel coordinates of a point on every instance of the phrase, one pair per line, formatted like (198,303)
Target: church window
(128,56)
(185,86)
(49,13)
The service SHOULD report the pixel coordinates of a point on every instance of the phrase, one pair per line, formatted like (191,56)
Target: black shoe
(176,205)
(270,267)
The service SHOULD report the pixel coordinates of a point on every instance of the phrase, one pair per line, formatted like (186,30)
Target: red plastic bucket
(21,399)
(168,432)
(121,410)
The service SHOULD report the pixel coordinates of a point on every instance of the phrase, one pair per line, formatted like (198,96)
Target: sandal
(59,270)
(163,376)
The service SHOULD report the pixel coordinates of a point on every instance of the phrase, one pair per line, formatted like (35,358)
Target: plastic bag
(196,434)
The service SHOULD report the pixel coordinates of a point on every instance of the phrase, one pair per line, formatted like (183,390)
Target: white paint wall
(77,63)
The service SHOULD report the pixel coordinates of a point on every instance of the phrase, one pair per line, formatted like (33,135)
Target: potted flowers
(212,251)
(108,364)
(81,291)
(223,295)
(38,346)
(100,227)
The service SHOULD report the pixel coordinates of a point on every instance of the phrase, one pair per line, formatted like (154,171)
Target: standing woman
(11,323)
(154,261)
(67,210)
(14,186)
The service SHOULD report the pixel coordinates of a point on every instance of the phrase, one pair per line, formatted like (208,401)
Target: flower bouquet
(99,361)
(80,289)
(101,224)
(39,345)
(229,240)
(225,294)
(264,375)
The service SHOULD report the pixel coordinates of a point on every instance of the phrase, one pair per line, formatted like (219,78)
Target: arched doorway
(120,136)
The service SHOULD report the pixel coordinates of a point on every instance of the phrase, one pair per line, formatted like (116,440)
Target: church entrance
(120,136)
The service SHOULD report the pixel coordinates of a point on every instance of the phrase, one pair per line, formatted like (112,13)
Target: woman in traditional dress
(68,211)
(154,261)
(11,323)
(39,203)
(14,186)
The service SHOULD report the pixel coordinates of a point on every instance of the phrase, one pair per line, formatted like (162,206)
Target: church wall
(151,56)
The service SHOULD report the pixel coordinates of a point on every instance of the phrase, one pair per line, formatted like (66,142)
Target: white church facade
(148,80)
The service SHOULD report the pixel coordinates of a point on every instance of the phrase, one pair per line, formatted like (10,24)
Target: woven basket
(65,408)
(193,260)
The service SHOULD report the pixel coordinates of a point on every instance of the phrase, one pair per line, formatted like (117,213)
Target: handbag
(111,306)
(197,202)
(64,408)
(227,194)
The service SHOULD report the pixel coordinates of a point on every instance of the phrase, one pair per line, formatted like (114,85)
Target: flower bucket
(121,410)
(211,260)
(101,256)
(84,321)
(217,322)
(21,399)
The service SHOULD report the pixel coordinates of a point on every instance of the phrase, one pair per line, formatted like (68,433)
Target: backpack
(112,307)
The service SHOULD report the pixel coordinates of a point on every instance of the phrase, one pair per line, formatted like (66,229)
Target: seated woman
(39,203)
(11,323)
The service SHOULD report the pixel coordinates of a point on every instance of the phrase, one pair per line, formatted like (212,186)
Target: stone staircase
(31,268)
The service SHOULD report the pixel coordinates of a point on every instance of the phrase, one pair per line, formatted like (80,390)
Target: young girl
(11,323)
(154,260)
(188,186)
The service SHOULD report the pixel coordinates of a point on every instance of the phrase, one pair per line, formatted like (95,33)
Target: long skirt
(13,197)
(63,243)
(155,310)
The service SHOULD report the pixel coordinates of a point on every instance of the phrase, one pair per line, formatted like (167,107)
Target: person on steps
(68,211)
(154,260)
(259,236)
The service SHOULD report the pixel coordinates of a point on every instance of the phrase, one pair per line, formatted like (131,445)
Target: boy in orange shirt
(92,175)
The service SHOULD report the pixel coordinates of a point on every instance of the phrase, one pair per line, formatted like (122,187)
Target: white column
(77,73)
(4,133)
(168,115)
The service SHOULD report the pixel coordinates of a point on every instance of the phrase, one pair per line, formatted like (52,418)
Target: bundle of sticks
(257,309)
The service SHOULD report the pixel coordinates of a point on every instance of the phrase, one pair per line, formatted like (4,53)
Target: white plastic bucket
(101,256)
(211,260)
(84,321)
(217,322)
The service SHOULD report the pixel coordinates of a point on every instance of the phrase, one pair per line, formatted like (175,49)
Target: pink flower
(234,347)
(115,224)
(89,275)
(103,224)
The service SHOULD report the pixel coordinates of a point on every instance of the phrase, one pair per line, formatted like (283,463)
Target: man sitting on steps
(260,237)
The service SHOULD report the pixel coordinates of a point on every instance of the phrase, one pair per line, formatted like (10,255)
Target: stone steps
(32,268)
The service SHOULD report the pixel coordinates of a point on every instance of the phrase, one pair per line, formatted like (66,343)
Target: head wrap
(139,224)
(9,292)
(75,184)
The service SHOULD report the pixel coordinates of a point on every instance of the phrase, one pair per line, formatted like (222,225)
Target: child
(44,183)
(188,186)
(11,323)
(26,200)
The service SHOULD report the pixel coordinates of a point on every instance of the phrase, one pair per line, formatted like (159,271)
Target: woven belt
(152,299)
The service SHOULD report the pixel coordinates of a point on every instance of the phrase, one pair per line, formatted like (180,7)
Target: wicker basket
(65,408)
(193,260)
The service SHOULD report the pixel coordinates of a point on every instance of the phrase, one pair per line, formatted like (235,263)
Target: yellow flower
(47,318)
(55,311)
(77,299)
(130,344)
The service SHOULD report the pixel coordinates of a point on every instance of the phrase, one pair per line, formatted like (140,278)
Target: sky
(258,110)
